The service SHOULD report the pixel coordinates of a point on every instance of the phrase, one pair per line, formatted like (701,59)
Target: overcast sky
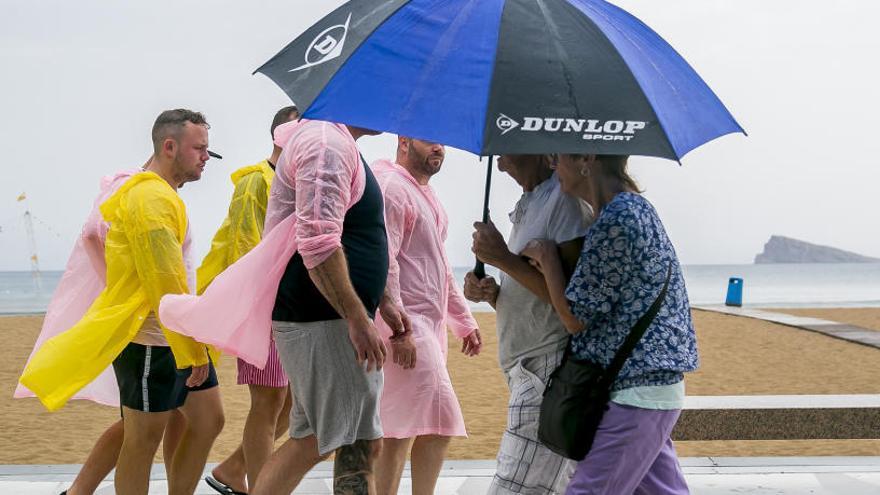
(83,81)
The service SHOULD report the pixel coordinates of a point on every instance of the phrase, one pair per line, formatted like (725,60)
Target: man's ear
(169,147)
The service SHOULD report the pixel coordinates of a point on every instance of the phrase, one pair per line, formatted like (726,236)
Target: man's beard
(186,175)
(430,169)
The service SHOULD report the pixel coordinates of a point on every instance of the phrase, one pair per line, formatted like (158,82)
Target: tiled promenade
(706,476)
(843,331)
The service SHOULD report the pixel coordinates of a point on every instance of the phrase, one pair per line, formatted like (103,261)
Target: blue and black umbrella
(502,77)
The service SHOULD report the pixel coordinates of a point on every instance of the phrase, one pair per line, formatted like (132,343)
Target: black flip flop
(221,487)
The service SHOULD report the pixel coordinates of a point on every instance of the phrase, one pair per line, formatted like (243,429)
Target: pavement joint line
(486,468)
(841,331)
(787,402)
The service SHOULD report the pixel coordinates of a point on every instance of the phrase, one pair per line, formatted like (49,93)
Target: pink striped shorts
(271,376)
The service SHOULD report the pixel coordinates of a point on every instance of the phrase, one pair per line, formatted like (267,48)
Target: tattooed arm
(332,279)
(323,167)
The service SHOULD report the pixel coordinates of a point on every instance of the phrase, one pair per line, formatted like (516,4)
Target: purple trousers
(632,454)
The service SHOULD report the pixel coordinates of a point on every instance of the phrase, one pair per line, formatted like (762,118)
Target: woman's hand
(541,253)
(544,255)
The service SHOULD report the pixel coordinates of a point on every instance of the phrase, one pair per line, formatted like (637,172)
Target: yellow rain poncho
(144,257)
(243,227)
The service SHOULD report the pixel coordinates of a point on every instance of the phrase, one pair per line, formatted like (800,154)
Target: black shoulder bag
(578,393)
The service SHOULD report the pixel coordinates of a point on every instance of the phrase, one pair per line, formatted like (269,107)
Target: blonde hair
(616,166)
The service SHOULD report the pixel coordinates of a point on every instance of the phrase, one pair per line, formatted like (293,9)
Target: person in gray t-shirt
(531,338)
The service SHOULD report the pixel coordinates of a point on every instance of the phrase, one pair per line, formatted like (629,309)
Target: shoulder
(633,207)
(397,192)
(153,193)
(383,169)
(627,214)
(113,181)
(393,186)
(149,187)
(254,182)
(252,187)
(317,135)
(389,177)
(110,184)
(323,148)
(249,172)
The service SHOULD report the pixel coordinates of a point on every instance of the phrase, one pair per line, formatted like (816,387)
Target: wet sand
(740,356)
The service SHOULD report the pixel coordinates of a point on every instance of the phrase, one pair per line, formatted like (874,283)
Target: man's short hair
(282,117)
(171,122)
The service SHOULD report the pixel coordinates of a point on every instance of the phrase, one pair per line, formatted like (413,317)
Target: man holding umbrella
(531,338)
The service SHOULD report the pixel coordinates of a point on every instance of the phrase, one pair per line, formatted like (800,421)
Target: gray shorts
(334,398)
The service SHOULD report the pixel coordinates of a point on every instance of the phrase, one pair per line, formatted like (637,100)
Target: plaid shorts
(524,465)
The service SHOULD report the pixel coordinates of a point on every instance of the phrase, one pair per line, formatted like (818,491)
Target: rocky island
(781,249)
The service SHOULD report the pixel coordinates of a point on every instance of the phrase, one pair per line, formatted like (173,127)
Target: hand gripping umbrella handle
(479,266)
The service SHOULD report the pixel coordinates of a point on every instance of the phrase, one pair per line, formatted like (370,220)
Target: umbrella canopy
(502,76)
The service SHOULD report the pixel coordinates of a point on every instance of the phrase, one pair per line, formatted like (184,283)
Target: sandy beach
(739,357)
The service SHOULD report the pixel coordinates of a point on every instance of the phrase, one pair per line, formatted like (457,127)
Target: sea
(770,285)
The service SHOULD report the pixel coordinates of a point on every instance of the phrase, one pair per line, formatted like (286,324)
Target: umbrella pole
(480,267)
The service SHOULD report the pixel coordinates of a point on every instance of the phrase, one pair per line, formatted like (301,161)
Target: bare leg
(353,468)
(428,453)
(203,411)
(286,467)
(390,463)
(142,434)
(284,416)
(233,470)
(259,429)
(173,432)
(101,460)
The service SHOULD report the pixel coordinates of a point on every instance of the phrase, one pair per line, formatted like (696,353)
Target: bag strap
(635,335)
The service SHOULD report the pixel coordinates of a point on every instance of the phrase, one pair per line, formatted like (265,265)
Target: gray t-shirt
(528,327)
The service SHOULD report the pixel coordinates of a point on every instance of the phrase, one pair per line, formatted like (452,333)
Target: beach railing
(780,417)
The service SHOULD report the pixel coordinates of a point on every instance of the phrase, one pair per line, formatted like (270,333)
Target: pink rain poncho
(83,280)
(319,177)
(420,401)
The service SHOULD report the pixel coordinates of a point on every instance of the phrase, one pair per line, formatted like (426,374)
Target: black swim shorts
(149,380)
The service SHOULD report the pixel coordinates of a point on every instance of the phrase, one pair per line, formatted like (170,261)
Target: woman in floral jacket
(621,271)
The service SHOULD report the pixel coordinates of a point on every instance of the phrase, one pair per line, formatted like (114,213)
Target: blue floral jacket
(621,271)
